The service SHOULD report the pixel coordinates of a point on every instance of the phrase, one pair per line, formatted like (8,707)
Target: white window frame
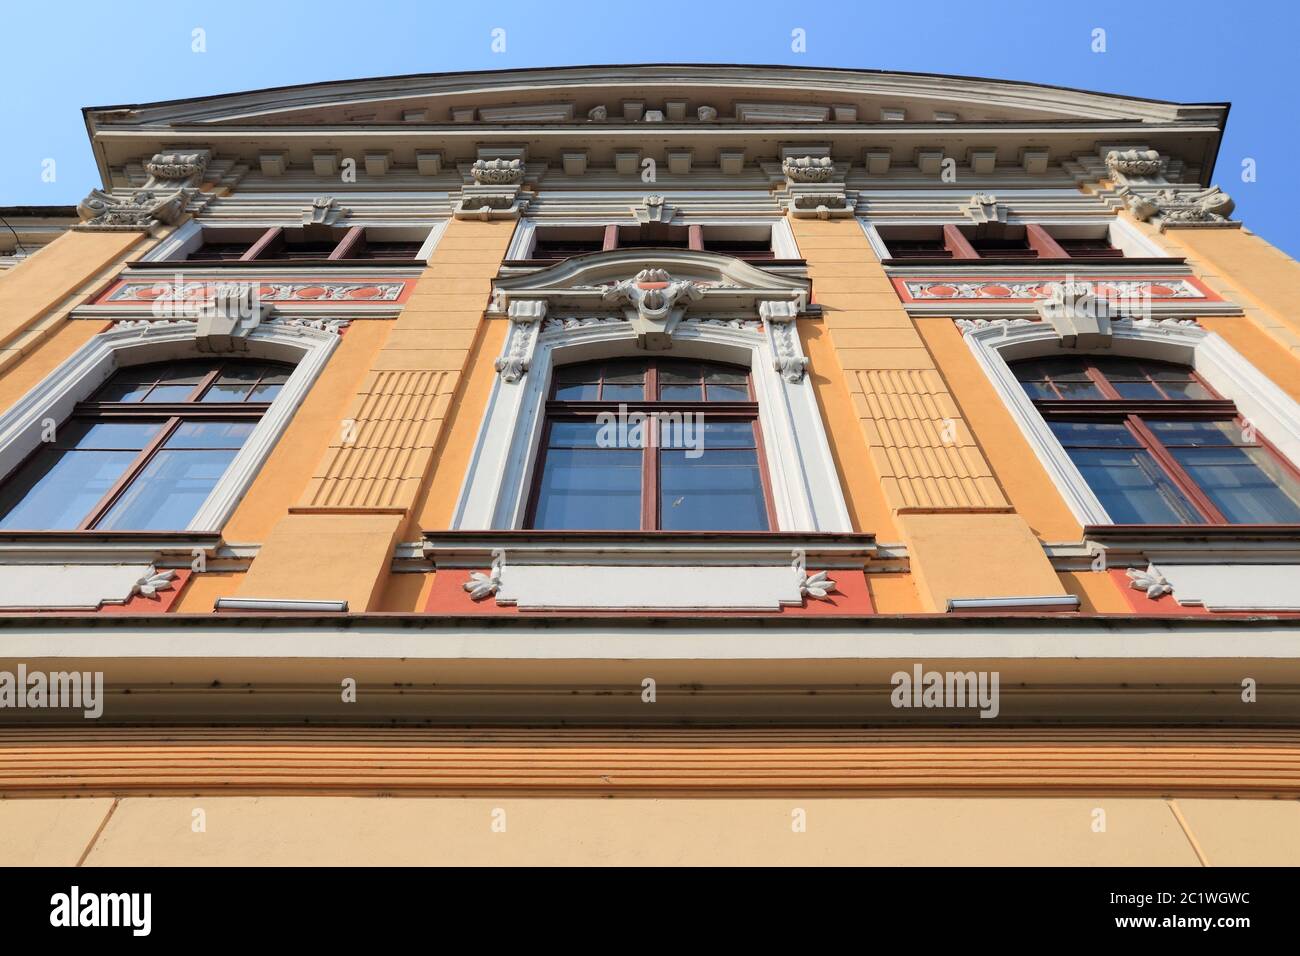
(1226,370)
(806,491)
(297,341)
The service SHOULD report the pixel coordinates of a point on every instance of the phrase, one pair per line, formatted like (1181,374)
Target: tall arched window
(651,444)
(145,451)
(1157,445)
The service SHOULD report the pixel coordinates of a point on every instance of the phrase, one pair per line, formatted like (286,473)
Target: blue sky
(61,56)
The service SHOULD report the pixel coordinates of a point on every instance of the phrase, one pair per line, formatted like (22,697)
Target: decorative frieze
(1013,289)
(338,292)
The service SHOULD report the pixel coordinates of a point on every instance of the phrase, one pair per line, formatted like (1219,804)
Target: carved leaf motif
(1155,584)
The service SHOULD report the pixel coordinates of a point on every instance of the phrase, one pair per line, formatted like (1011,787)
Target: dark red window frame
(172,415)
(1133,413)
(729,411)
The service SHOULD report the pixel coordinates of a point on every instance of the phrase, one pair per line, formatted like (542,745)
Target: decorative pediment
(726,285)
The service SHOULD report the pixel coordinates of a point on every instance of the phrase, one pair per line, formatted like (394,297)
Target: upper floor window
(315,243)
(145,451)
(751,242)
(1004,241)
(651,444)
(1157,445)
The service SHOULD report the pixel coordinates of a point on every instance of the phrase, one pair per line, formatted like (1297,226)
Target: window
(663,444)
(145,451)
(999,241)
(307,243)
(751,242)
(1157,446)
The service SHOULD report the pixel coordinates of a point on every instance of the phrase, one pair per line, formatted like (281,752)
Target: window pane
(1196,433)
(168,492)
(1185,389)
(57,489)
(1086,434)
(1247,484)
(121,392)
(1142,390)
(205,434)
(590,489)
(1058,369)
(119,436)
(718,491)
(266,392)
(577,383)
(624,382)
(226,393)
(629,433)
(170,393)
(1132,487)
(184,373)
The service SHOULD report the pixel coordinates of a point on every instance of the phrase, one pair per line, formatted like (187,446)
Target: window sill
(1024,262)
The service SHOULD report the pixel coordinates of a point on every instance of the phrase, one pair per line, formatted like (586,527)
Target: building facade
(650,464)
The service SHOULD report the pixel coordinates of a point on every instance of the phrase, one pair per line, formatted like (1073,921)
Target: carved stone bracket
(779,326)
(808,169)
(497,172)
(1135,163)
(495,193)
(983,208)
(108,212)
(815,188)
(654,304)
(1180,206)
(324,211)
(1080,317)
(654,209)
(224,323)
(178,168)
(526,317)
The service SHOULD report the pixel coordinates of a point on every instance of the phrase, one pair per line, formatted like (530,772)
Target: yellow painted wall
(316,423)
(358,831)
